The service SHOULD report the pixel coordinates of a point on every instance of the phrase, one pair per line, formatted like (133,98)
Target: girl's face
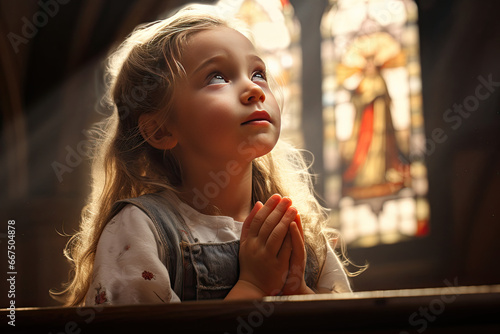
(223,109)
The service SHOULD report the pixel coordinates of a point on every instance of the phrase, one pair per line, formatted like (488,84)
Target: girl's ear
(154,133)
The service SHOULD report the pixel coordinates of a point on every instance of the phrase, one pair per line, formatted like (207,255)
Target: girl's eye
(217,79)
(259,76)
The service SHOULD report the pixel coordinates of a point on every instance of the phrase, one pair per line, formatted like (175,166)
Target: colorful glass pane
(375,175)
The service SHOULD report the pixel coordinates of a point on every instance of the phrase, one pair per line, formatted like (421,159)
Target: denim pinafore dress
(197,270)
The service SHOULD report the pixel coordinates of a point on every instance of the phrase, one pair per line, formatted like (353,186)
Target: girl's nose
(252,93)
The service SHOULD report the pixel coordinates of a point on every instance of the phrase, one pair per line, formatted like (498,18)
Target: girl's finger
(247,223)
(285,250)
(274,219)
(262,214)
(299,225)
(277,236)
(299,253)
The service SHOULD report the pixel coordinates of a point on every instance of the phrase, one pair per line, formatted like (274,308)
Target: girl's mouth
(258,117)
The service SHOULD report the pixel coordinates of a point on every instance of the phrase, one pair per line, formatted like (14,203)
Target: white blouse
(129,264)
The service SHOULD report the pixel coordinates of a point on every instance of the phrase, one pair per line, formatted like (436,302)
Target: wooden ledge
(473,309)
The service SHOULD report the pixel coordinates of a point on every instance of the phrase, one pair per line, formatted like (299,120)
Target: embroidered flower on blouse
(148,276)
(100,297)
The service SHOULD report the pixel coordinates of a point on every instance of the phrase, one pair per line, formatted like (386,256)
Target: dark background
(50,92)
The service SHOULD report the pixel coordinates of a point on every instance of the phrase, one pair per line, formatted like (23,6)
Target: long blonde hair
(142,76)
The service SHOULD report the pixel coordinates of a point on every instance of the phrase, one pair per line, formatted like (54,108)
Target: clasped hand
(272,253)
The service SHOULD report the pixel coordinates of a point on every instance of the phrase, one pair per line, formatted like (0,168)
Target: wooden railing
(473,310)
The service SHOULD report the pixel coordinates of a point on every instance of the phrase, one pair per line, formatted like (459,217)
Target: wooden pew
(473,309)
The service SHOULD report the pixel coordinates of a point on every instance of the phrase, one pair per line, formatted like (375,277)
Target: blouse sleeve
(127,266)
(333,277)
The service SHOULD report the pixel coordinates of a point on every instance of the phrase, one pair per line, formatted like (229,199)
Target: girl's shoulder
(165,208)
(160,210)
(129,221)
(129,264)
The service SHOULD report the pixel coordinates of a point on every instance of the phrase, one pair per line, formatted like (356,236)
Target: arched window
(374,142)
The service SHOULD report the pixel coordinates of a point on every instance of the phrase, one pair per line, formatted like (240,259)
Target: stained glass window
(375,176)
(276,33)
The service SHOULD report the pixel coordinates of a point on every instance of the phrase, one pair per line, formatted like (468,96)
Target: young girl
(193,195)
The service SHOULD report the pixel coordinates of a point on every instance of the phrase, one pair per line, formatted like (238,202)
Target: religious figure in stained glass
(372,151)
(375,176)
